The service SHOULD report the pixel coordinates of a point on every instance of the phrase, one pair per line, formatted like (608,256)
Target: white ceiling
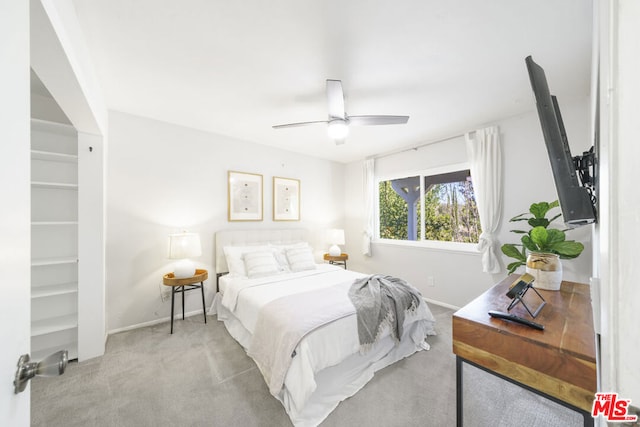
(238,67)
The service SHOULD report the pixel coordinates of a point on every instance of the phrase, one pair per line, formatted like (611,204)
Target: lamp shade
(336,236)
(184,245)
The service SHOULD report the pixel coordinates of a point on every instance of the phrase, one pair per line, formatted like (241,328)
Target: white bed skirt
(335,383)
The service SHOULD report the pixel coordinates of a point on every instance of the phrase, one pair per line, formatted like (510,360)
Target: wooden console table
(558,363)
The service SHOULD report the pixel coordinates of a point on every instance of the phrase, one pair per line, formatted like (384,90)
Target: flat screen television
(576,200)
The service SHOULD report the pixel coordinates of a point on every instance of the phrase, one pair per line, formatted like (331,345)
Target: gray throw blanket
(380,300)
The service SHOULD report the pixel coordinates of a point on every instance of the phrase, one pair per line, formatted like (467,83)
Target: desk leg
(458,392)
(204,311)
(173,297)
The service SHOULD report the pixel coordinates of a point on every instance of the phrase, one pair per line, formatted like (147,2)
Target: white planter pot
(547,270)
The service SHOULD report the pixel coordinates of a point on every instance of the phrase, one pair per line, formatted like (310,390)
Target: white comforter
(326,346)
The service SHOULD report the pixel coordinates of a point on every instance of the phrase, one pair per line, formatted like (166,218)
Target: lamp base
(184,268)
(335,250)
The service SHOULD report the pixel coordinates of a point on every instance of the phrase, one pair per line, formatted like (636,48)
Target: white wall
(621,339)
(628,269)
(162,178)
(91,247)
(46,108)
(61,59)
(458,276)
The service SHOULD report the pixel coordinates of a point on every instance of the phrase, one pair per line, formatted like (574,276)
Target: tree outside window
(449,214)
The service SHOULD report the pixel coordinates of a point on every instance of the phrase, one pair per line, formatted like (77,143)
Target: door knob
(51,366)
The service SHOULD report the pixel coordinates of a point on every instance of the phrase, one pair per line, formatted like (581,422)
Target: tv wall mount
(585,165)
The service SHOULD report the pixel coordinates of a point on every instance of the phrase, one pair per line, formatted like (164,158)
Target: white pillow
(300,259)
(233,256)
(260,264)
(279,251)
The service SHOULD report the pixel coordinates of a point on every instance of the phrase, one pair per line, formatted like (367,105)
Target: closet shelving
(54,239)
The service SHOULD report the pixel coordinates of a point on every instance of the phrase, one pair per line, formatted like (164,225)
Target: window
(437,207)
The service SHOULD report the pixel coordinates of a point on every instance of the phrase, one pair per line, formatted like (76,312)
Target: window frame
(425,244)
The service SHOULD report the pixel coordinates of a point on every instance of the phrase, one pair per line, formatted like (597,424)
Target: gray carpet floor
(200,376)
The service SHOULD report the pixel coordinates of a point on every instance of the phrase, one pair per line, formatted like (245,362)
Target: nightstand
(183,285)
(337,260)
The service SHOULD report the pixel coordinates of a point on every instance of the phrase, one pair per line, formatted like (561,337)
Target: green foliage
(540,238)
(437,222)
(393,213)
(450,213)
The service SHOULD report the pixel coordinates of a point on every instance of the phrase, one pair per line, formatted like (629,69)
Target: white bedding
(322,373)
(244,297)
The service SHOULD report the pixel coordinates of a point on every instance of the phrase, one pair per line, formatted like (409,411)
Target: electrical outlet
(430,282)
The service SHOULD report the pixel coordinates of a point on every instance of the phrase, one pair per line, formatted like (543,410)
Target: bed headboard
(254,237)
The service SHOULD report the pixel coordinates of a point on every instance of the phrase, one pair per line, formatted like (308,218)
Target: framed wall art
(286,199)
(244,197)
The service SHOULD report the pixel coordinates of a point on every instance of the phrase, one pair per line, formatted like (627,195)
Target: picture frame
(244,196)
(286,199)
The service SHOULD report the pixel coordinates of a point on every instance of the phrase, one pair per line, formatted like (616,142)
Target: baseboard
(199,312)
(155,322)
(441,304)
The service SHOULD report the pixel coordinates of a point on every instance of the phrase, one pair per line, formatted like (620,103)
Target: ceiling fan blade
(377,120)
(292,125)
(335,99)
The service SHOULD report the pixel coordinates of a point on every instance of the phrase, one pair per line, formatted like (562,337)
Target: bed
(267,282)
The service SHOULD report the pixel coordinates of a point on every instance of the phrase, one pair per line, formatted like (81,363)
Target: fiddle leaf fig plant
(540,238)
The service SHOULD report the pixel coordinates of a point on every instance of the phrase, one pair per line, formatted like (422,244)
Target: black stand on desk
(518,290)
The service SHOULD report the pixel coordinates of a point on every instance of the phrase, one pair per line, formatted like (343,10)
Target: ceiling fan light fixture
(338,121)
(338,129)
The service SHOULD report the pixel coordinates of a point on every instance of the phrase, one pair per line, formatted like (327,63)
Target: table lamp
(336,237)
(183,246)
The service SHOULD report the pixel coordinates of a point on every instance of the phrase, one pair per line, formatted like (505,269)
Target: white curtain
(485,157)
(369,192)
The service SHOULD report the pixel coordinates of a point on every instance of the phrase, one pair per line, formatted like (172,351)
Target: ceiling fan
(338,121)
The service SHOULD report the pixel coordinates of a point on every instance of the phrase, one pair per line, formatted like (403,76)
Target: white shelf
(54,185)
(54,223)
(51,290)
(59,128)
(54,324)
(53,261)
(53,157)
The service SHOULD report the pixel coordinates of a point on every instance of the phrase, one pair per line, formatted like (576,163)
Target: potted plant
(541,247)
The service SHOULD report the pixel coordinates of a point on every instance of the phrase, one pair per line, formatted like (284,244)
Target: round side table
(337,259)
(182,285)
